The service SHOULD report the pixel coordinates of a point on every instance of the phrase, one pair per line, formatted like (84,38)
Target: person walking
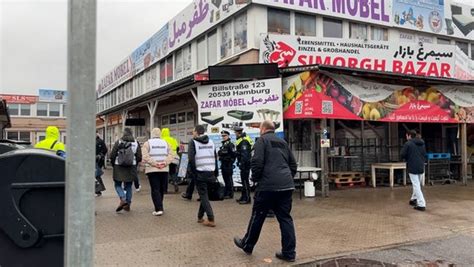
(273,169)
(227,158)
(51,141)
(125,157)
(173,144)
(157,155)
(244,151)
(100,154)
(414,153)
(203,166)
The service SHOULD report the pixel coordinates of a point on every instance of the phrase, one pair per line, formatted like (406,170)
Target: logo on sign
(278,52)
(435,21)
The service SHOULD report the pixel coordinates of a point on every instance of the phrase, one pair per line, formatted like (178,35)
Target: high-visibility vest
(134,149)
(205,157)
(158,149)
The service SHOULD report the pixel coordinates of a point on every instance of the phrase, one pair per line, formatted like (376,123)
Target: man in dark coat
(100,154)
(227,157)
(273,169)
(243,146)
(414,153)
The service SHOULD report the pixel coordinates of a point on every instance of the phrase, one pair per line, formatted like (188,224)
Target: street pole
(80,162)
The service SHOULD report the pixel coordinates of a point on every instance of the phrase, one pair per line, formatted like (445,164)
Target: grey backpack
(125,155)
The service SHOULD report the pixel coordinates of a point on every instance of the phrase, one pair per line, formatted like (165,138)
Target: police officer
(227,157)
(244,154)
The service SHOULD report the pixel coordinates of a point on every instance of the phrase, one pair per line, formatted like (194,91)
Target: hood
(165,133)
(203,139)
(156,133)
(52,132)
(418,141)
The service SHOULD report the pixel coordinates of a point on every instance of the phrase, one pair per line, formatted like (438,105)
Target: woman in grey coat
(125,174)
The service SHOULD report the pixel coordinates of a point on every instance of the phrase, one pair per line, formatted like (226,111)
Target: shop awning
(354,94)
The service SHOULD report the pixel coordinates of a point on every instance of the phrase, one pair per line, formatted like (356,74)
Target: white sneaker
(139,188)
(157,213)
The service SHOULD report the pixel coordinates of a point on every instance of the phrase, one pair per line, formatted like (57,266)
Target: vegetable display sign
(324,95)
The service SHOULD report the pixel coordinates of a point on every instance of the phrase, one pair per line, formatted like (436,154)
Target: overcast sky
(33,38)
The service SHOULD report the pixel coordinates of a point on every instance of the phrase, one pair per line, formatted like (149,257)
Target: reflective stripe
(158,149)
(205,156)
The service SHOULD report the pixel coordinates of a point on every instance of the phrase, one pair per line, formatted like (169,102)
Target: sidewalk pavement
(350,221)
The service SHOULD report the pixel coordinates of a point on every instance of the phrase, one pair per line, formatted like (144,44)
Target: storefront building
(160,81)
(31,114)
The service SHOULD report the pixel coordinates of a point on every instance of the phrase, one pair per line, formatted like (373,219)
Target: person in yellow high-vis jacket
(51,142)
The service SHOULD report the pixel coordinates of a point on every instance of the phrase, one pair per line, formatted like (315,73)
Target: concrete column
(80,166)
(464,158)
(324,163)
(152,110)
(124,118)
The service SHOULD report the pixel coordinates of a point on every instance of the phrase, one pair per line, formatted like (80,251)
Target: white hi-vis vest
(205,157)
(134,149)
(158,149)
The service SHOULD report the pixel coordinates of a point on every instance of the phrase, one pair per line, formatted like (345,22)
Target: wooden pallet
(335,175)
(348,180)
(350,185)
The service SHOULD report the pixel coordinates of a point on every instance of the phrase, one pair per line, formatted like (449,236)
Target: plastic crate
(438,156)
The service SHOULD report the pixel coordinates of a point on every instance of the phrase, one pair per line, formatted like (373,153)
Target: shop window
(190,117)
(12,136)
(25,136)
(201,53)
(13,109)
(212,47)
(165,120)
(278,21)
(187,61)
(162,72)
(169,69)
(332,28)
(357,31)
(25,110)
(173,119)
(178,65)
(379,34)
(226,40)
(464,47)
(472,51)
(305,25)
(41,109)
(54,110)
(444,41)
(181,117)
(240,33)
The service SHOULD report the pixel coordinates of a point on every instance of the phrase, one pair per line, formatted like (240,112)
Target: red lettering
(409,68)
(365,64)
(302,60)
(352,62)
(445,70)
(327,60)
(421,67)
(397,66)
(433,70)
(379,65)
(339,61)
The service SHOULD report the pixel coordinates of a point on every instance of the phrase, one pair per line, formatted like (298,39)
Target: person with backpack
(125,157)
(204,169)
(157,155)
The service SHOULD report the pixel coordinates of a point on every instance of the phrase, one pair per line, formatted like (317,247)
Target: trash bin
(32,184)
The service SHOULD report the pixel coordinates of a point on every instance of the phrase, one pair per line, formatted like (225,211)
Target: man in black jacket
(227,157)
(243,146)
(414,153)
(204,169)
(273,169)
(100,154)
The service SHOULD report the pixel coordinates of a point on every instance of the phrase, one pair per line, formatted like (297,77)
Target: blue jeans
(120,190)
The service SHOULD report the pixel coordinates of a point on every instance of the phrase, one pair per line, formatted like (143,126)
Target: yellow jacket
(52,135)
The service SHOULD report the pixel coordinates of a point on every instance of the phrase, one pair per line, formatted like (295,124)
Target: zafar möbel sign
(412,59)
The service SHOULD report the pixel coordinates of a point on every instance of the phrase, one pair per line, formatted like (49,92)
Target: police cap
(238,129)
(225,133)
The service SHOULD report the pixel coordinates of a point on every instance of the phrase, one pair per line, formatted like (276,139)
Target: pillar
(464,158)
(152,110)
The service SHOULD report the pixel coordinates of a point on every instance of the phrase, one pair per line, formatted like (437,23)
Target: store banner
(151,51)
(199,17)
(421,15)
(49,95)
(19,99)
(118,75)
(406,58)
(242,104)
(373,11)
(459,18)
(314,94)
(464,66)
